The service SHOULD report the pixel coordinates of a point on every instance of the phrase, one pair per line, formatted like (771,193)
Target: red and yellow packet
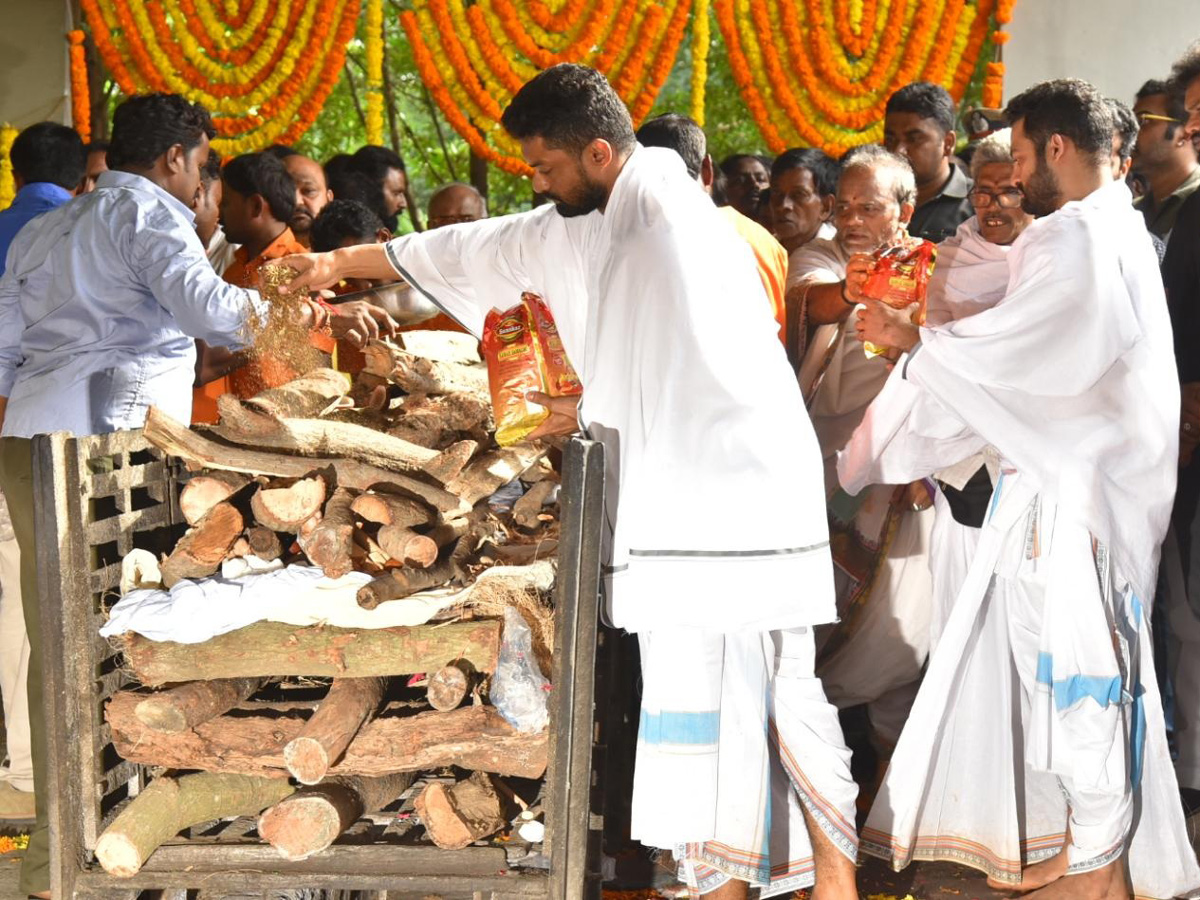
(524,353)
(899,278)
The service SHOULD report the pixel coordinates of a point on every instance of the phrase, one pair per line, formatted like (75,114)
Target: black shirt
(938,218)
(1181,278)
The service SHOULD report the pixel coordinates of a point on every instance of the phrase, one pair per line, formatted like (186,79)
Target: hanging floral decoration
(993,77)
(8,189)
(262,67)
(374,115)
(819,72)
(474,58)
(81,101)
(701,41)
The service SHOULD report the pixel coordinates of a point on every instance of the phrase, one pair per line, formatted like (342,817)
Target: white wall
(1115,44)
(34,75)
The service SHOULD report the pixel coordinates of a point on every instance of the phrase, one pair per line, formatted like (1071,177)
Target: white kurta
(715,499)
(1071,378)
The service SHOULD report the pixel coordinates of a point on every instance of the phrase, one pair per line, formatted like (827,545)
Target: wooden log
(396,584)
(435,421)
(332,438)
(368,555)
(311,819)
(187,705)
(528,508)
(273,649)
(448,464)
(264,543)
(204,547)
(449,532)
(169,805)
(204,492)
(240,548)
(325,737)
(406,546)
(449,686)
(441,346)
(493,470)
(309,395)
(390,509)
(423,376)
(196,450)
(457,816)
(286,504)
(330,545)
(473,737)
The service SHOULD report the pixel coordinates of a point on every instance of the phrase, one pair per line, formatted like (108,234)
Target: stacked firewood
(389,476)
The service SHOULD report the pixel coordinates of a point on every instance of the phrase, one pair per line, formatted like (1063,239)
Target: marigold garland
(8,188)
(819,72)
(701,39)
(993,76)
(374,42)
(263,67)
(81,102)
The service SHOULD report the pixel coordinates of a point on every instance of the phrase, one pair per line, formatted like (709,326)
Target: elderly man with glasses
(971,276)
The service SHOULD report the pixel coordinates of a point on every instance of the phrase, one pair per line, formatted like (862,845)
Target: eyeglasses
(1009,199)
(1144,117)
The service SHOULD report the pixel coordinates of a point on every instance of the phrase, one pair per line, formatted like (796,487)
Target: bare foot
(1036,876)
(1108,883)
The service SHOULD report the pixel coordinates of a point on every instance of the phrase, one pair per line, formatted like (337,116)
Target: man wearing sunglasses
(1165,155)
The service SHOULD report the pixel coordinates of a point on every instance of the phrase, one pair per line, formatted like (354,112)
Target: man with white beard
(1070,376)
(971,276)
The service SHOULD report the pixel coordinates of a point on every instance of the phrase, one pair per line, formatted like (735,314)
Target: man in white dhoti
(880,539)
(717,543)
(971,275)
(1036,750)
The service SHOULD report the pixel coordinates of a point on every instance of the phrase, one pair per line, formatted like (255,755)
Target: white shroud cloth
(1071,377)
(714,492)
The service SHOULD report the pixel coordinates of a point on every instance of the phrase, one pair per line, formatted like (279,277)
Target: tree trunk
(203,548)
(478,167)
(311,819)
(264,543)
(268,649)
(204,492)
(169,805)
(174,438)
(526,511)
(390,509)
(187,705)
(406,546)
(457,816)
(325,737)
(473,737)
(494,469)
(331,543)
(396,584)
(285,505)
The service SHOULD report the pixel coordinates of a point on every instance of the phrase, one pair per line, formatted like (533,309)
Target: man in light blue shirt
(48,162)
(100,307)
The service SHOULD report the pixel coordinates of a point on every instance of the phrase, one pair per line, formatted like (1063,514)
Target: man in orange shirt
(258,199)
(683,135)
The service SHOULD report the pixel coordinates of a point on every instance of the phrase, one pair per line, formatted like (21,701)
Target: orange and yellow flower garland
(374,115)
(993,77)
(263,67)
(8,189)
(819,72)
(473,59)
(81,101)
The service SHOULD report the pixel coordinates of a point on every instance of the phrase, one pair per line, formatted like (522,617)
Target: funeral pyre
(422,597)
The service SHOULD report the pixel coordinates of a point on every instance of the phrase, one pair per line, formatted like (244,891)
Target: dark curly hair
(1186,68)
(264,175)
(823,168)
(148,125)
(343,219)
(1125,127)
(51,153)
(1173,97)
(568,106)
(1067,106)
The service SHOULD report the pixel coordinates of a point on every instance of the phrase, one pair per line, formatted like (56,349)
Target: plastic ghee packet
(524,353)
(899,278)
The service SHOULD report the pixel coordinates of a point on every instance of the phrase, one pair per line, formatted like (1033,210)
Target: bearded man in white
(1070,377)
(717,543)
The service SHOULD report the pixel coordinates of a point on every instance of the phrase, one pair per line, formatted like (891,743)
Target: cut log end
(118,855)
(306,759)
(447,688)
(300,826)
(457,816)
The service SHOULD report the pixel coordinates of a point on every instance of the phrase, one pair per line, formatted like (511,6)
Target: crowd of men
(948,553)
